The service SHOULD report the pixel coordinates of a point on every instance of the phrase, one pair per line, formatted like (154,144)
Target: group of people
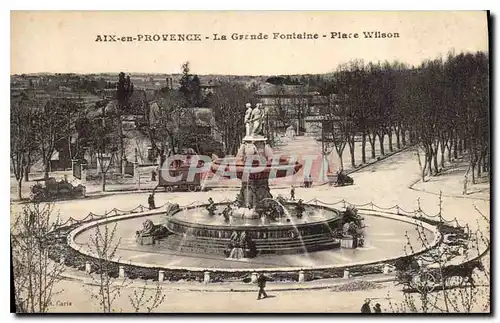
(365,308)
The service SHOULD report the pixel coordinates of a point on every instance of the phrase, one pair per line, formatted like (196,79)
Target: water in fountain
(289,217)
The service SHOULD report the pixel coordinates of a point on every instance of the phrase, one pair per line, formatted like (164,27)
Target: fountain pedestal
(253,191)
(255,187)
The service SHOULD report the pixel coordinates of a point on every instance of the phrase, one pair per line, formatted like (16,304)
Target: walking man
(292,193)
(366,306)
(261,282)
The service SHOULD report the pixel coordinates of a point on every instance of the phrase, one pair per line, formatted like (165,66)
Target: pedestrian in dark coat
(366,306)
(261,282)
(377,308)
(151,201)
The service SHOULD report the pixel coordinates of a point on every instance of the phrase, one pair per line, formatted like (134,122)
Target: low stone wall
(74,256)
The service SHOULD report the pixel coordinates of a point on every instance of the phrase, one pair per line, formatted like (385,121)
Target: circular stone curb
(71,242)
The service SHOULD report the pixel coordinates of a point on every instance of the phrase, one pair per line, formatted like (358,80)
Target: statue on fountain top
(257,119)
(248,120)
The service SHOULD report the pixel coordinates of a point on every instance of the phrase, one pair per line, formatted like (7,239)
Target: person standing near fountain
(292,193)
(151,201)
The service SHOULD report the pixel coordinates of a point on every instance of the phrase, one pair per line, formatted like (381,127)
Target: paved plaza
(386,184)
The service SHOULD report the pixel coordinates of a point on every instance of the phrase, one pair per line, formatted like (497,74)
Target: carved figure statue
(243,239)
(257,120)
(248,120)
(300,209)
(211,207)
(147,227)
(227,213)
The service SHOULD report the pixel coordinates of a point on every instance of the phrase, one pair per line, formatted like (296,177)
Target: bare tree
(228,105)
(22,139)
(143,300)
(35,275)
(103,244)
(104,142)
(170,125)
(124,90)
(51,121)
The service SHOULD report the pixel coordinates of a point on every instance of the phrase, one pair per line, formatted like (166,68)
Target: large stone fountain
(254,164)
(255,222)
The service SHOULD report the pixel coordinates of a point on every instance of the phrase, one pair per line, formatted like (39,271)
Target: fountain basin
(381,246)
(194,230)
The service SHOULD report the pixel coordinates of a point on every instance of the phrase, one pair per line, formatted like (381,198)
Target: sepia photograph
(250,162)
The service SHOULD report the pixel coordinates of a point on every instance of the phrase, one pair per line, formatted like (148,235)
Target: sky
(65,42)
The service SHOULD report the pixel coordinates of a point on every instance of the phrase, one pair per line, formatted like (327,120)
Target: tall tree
(228,104)
(22,137)
(52,119)
(104,142)
(124,90)
(190,86)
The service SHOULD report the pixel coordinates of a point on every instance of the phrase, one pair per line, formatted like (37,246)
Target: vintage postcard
(250,161)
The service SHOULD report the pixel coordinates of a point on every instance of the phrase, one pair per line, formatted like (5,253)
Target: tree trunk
(121,149)
(485,161)
(443,149)
(372,144)
(381,143)
(27,169)
(435,159)
(46,169)
(26,173)
(455,148)
(341,159)
(391,148)
(363,148)
(371,139)
(351,150)
(403,136)
(397,130)
(429,162)
(103,181)
(423,169)
(19,187)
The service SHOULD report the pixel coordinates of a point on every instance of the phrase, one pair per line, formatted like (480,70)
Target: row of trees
(442,105)
(39,125)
